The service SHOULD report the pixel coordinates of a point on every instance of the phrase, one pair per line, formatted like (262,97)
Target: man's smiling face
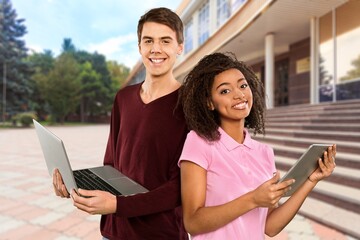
(159,48)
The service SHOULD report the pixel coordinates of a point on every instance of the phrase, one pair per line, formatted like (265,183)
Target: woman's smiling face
(231,96)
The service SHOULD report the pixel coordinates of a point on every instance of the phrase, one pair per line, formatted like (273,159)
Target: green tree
(68,46)
(118,74)
(12,66)
(92,91)
(41,65)
(98,63)
(61,88)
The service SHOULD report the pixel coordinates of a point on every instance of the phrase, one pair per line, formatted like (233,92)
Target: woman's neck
(235,130)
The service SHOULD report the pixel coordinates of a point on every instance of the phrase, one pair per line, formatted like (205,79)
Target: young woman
(228,180)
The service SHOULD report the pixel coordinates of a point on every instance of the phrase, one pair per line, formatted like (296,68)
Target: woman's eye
(224,91)
(245,85)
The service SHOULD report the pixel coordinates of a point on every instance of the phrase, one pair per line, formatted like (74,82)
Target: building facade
(304,51)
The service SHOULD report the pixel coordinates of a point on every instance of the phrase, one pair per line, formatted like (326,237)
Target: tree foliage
(41,65)
(75,82)
(14,70)
(61,88)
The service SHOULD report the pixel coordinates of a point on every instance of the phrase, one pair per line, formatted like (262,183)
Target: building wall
(299,72)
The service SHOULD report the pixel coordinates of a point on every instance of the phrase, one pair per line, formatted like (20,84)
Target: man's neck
(156,87)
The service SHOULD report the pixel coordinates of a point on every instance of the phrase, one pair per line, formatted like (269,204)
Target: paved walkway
(29,209)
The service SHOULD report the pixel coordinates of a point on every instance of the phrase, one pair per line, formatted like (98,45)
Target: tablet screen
(303,167)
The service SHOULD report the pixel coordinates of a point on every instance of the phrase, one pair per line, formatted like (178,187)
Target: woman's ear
(210,105)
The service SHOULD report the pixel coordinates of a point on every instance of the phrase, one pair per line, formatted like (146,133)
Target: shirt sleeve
(196,150)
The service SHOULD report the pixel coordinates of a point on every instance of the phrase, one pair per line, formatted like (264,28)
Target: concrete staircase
(290,130)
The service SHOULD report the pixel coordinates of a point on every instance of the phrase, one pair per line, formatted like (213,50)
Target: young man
(147,133)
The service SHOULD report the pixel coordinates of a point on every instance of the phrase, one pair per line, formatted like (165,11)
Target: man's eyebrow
(162,38)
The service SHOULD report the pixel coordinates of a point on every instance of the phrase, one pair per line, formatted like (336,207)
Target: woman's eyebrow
(226,83)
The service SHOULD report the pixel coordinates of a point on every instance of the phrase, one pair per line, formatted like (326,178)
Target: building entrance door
(282,83)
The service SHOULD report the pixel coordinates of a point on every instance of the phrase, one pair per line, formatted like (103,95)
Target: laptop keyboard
(85,179)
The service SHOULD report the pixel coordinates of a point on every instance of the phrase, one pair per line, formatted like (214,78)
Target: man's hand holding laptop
(90,201)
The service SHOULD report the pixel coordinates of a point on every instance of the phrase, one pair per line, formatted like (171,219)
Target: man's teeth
(157,60)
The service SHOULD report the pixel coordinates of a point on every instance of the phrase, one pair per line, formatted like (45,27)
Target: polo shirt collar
(231,144)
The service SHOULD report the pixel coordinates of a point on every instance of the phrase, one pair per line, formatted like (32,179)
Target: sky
(105,26)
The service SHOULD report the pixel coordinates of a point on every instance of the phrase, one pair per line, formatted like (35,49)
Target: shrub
(25,119)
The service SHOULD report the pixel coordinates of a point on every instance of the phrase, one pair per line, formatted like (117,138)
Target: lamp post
(4,92)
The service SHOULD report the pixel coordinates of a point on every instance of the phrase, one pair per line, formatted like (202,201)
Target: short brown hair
(162,16)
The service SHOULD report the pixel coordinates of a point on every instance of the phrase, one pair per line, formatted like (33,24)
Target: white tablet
(304,166)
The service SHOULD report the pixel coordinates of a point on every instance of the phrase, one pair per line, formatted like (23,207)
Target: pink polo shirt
(233,169)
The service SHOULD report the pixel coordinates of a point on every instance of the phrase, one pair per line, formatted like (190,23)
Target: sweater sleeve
(114,130)
(161,199)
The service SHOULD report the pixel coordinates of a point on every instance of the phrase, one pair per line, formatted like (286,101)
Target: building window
(236,4)
(223,12)
(189,36)
(204,23)
(339,66)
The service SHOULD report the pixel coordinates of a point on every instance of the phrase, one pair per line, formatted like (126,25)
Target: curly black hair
(196,93)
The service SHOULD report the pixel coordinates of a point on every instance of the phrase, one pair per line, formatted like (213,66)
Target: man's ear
(180,49)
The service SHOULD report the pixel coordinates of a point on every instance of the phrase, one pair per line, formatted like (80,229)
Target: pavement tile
(326,233)
(43,234)
(6,204)
(83,229)
(48,218)
(34,213)
(64,223)
(93,235)
(21,232)
(68,238)
(17,210)
(8,223)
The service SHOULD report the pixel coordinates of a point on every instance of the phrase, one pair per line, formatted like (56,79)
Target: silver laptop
(104,178)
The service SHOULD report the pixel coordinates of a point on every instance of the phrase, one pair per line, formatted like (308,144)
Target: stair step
(313,113)
(338,191)
(348,127)
(299,151)
(333,135)
(342,146)
(342,158)
(305,119)
(343,172)
(331,215)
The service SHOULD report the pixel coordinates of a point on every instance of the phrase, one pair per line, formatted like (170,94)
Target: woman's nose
(239,93)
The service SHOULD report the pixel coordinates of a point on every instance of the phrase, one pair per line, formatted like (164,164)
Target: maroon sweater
(145,143)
